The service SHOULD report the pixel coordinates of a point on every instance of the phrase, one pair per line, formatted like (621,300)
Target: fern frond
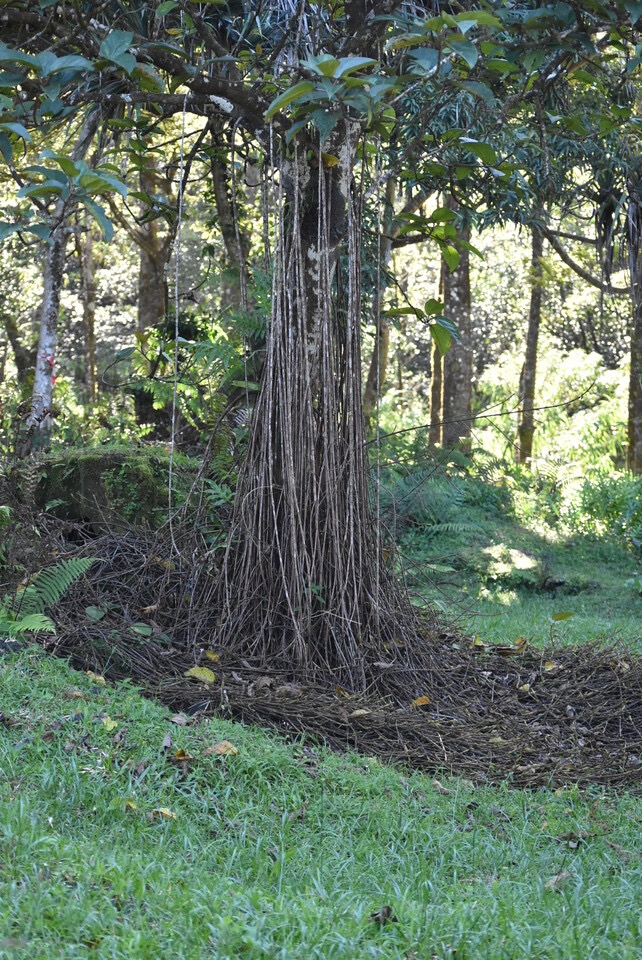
(49,585)
(32,623)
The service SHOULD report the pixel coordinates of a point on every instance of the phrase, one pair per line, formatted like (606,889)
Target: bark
(88,293)
(436,394)
(634,448)
(234,287)
(24,358)
(526,419)
(45,374)
(379,360)
(39,420)
(458,361)
(154,252)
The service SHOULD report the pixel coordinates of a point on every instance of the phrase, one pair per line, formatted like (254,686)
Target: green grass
(493,571)
(282,850)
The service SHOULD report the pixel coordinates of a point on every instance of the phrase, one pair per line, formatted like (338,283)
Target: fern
(24,612)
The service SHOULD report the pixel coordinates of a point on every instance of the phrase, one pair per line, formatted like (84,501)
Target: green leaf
(17,128)
(480,17)
(466,50)
(289,96)
(451,256)
(164,8)
(433,307)
(482,150)
(6,229)
(100,217)
(5,147)
(447,325)
(563,615)
(15,56)
(142,629)
(116,44)
(441,337)
(324,65)
(95,613)
(348,65)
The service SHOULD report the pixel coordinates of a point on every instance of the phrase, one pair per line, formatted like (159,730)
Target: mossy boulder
(107,487)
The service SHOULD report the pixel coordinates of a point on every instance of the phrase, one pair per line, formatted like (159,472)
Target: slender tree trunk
(234,286)
(458,362)
(39,420)
(154,251)
(379,360)
(45,375)
(88,292)
(526,420)
(436,394)
(24,357)
(634,448)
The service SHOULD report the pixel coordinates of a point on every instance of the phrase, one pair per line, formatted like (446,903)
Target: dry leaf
(179,719)
(478,644)
(341,691)
(164,812)
(554,882)
(167,741)
(204,674)
(550,665)
(421,702)
(130,805)
(440,788)
(290,691)
(525,688)
(211,655)
(383,916)
(96,677)
(147,610)
(359,713)
(222,749)
(518,647)
(264,683)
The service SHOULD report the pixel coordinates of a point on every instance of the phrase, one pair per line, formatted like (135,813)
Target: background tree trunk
(88,292)
(526,420)
(634,448)
(458,361)
(436,394)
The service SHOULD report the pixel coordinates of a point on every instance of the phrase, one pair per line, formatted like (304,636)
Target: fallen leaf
(109,724)
(518,647)
(130,805)
(162,812)
(148,610)
(421,701)
(222,749)
(211,655)
(384,915)
(341,691)
(440,788)
(525,688)
(550,665)
(201,673)
(264,683)
(478,644)
(181,756)
(563,615)
(358,713)
(290,691)
(554,882)
(167,741)
(179,719)
(96,677)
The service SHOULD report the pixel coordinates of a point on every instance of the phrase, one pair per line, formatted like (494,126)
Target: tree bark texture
(436,395)
(379,360)
(458,361)
(634,448)
(526,419)
(88,293)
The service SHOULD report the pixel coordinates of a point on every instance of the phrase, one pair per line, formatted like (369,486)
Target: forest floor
(130,833)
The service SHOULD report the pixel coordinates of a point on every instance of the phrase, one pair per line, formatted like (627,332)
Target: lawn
(125,834)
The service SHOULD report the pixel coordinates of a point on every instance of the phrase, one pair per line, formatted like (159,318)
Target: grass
(512,560)
(115,846)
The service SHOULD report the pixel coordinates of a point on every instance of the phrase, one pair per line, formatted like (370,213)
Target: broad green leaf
(324,65)
(451,256)
(142,629)
(166,7)
(101,219)
(289,96)
(15,56)
(5,148)
(441,338)
(482,150)
(433,307)
(447,325)
(95,613)
(17,128)
(116,44)
(466,50)
(348,65)
(442,215)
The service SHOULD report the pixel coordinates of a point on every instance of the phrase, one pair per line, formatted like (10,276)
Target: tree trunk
(458,361)
(379,360)
(234,284)
(39,420)
(526,420)
(302,584)
(436,394)
(634,448)
(24,357)
(88,292)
